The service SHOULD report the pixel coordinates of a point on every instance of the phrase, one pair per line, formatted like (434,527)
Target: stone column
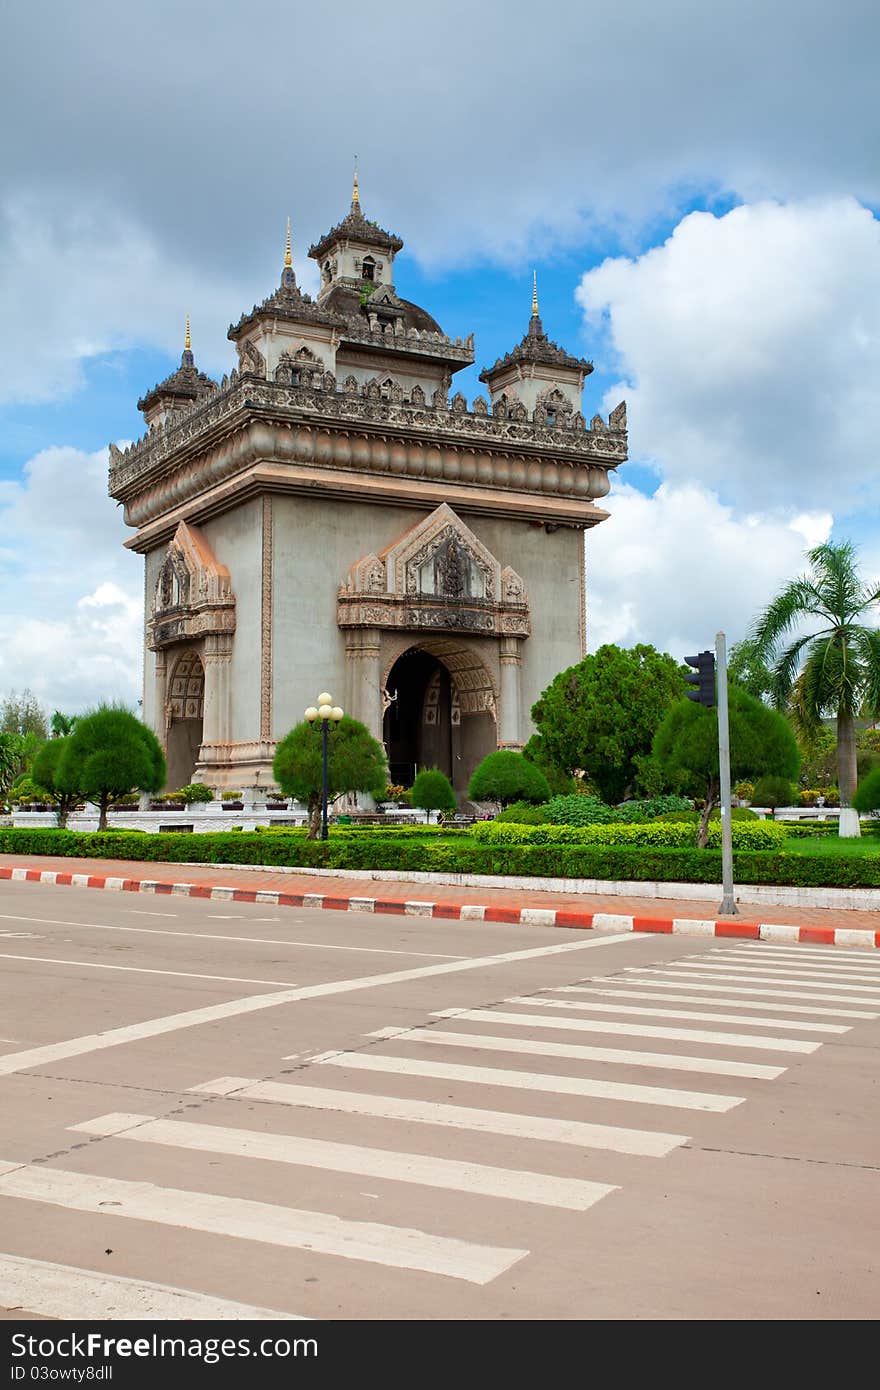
(363,677)
(510,731)
(160,696)
(215,717)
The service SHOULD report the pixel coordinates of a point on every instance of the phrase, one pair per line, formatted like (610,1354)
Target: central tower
(329,513)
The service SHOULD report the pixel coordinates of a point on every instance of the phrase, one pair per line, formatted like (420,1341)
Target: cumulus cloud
(70,622)
(676,568)
(749,348)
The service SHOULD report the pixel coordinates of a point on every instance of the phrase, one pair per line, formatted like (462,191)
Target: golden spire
(534,294)
(288,258)
(355,195)
(187,341)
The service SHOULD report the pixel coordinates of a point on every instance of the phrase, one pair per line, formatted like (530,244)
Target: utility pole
(728,906)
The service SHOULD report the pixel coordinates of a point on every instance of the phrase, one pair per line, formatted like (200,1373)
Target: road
(229,1110)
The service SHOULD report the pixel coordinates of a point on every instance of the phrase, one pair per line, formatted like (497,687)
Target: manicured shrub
(432,791)
(652,808)
(579,810)
(506,776)
(109,754)
(867,795)
(462,854)
(196,792)
(773,792)
(693,817)
(755,834)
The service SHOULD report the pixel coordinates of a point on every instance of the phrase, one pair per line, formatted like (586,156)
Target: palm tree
(833,671)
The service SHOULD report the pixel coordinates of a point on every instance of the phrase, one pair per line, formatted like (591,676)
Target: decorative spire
(187,359)
(534,294)
(355,195)
(288,257)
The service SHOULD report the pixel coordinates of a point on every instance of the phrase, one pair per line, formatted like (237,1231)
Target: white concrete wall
(236,539)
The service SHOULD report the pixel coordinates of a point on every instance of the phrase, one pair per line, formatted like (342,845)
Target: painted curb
(463,912)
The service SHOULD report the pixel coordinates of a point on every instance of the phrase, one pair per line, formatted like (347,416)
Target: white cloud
(676,568)
(749,351)
(70,623)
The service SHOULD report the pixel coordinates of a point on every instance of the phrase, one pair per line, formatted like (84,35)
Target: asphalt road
(226,1110)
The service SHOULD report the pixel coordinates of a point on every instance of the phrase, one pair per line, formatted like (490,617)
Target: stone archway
(440,711)
(184,715)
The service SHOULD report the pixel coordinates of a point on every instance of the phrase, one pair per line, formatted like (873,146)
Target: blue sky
(701,220)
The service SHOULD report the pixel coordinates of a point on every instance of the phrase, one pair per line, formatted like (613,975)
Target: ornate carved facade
(333,514)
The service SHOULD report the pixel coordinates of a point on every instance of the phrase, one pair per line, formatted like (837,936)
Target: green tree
(23,714)
(109,754)
(356,763)
(45,774)
(818,757)
(773,792)
(746,667)
(506,776)
(433,791)
(600,716)
(60,725)
(835,670)
(559,782)
(8,760)
(686,746)
(867,794)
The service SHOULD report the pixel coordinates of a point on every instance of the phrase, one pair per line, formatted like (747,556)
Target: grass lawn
(827,845)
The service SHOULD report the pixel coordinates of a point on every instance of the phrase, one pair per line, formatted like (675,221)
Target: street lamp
(327,713)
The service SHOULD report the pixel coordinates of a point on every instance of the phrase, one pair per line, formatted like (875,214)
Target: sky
(696,185)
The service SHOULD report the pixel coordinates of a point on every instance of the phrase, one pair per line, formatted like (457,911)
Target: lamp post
(327,713)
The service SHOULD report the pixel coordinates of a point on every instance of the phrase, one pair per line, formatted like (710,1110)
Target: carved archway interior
(184,715)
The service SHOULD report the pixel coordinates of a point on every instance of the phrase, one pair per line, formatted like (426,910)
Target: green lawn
(826,845)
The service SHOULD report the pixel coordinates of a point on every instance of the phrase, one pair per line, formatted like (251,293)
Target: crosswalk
(529,1083)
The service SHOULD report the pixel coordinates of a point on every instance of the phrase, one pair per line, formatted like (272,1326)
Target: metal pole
(728,906)
(324,780)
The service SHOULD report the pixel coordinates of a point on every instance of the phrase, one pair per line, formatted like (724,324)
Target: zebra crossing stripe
(671,979)
(63,1291)
(658,1061)
(758,1042)
(591,1006)
(817,970)
(663,990)
(240,1218)
(643,1143)
(542,1189)
(744,975)
(533,1081)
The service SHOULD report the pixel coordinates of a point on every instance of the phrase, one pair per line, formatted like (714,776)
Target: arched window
(327,273)
(368,268)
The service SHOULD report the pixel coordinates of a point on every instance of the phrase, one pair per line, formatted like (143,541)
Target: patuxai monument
(334,514)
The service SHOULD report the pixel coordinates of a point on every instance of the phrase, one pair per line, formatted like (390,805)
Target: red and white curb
(463,912)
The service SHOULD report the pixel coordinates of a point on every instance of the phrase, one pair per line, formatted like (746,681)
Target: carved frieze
(193,595)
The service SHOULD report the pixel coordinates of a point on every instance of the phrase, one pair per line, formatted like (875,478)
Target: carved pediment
(193,594)
(438,575)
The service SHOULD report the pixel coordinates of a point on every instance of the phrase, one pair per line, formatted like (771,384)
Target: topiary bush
(506,776)
(754,834)
(579,810)
(652,808)
(866,798)
(196,792)
(773,792)
(432,791)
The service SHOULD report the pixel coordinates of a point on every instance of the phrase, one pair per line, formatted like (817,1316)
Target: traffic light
(704,679)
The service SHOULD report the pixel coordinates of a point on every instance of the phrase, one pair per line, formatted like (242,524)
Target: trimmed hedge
(465,855)
(755,834)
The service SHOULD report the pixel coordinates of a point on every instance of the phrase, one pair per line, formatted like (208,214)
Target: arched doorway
(440,713)
(184,713)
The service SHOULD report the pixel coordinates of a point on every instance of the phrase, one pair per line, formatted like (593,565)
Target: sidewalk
(308,888)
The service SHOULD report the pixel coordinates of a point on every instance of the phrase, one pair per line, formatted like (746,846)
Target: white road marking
(759,1042)
(61,1291)
(144,970)
(673,979)
(533,1081)
(743,975)
(94,1042)
(135,912)
(219,936)
(800,950)
(573,1194)
(662,1061)
(590,1006)
(644,1143)
(797,973)
(666,991)
(800,959)
(242,1219)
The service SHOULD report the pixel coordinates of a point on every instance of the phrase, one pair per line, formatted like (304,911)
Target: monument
(333,515)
